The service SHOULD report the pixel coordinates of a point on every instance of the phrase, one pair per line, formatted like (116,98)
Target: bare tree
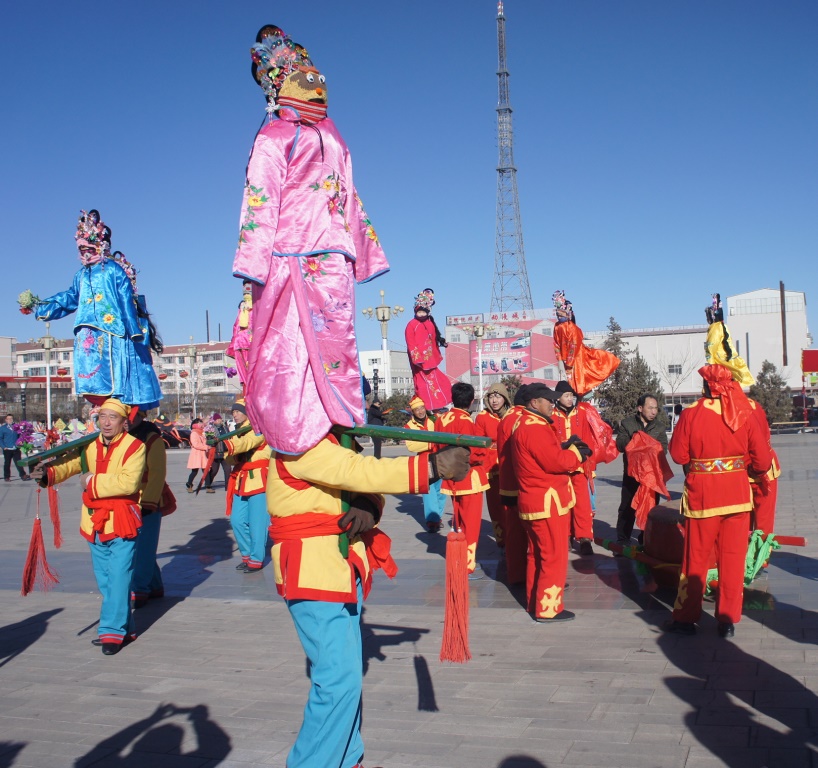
(674,368)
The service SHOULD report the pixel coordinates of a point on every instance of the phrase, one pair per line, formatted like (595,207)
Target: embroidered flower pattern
(312,266)
(370,230)
(255,199)
(330,367)
(332,186)
(108,318)
(97,297)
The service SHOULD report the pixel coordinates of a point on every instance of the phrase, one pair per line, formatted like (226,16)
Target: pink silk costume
(585,367)
(431,384)
(241,341)
(305,240)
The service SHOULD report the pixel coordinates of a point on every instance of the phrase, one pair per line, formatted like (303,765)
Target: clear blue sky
(665,150)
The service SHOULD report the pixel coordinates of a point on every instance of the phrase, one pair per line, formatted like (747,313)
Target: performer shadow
(521,761)
(389,635)
(732,695)
(9,751)
(141,743)
(15,638)
(187,567)
(412,506)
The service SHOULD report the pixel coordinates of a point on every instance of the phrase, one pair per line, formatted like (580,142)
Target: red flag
(648,466)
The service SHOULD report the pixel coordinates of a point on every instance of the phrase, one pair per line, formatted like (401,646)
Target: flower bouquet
(28,302)
(25,435)
(231,372)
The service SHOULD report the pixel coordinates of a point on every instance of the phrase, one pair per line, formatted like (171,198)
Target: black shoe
(680,627)
(139,602)
(561,616)
(26,477)
(433,527)
(250,569)
(241,566)
(585,548)
(727,629)
(111,649)
(127,640)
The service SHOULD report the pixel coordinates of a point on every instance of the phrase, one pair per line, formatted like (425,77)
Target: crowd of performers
(305,240)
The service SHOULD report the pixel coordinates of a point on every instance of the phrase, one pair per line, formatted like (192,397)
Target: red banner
(809,361)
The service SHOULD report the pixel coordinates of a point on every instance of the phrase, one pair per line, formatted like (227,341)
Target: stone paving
(217,676)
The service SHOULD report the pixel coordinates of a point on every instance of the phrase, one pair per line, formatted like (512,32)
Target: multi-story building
(394,374)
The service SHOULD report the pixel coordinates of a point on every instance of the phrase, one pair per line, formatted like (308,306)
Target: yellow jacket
(118,470)
(312,567)
(416,446)
(156,468)
(250,456)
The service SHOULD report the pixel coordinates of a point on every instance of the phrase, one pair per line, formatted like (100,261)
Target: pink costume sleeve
(266,173)
(370,260)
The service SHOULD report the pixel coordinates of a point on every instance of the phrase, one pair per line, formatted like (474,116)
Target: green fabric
(758,553)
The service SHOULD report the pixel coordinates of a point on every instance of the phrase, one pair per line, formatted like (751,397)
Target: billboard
(809,361)
(465,319)
(501,357)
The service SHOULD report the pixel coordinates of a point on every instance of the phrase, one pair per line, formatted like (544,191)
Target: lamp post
(48,344)
(192,353)
(23,398)
(383,314)
(478,331)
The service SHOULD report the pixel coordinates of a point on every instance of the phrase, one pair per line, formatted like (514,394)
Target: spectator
(374,417)
(219,460)
(198,455)
(11,451)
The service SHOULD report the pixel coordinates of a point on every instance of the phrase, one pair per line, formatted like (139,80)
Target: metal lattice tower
(510,289)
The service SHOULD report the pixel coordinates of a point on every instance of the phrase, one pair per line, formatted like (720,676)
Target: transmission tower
(510,289)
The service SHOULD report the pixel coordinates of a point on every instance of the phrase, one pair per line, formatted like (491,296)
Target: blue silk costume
(111,347)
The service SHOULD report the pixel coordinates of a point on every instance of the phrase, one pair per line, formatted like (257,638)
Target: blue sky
(665,150)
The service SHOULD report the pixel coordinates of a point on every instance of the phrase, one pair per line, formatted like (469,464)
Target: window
(216,383)
(167,359)
(211,358)
(35,372)
(213,369)
(455,338)
(374,361)
(33,357)
(674,370)
(66,356)
(180,359)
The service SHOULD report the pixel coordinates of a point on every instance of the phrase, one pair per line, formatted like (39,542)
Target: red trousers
(548,563)
(763,516)
(516,546)
(495,504)
(468,516)
(727,535)
(582,515)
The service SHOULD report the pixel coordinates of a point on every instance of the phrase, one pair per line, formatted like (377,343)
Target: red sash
(127,517)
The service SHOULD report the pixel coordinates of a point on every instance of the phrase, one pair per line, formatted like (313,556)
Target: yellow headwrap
(716,354)
(416,402)
(117,406)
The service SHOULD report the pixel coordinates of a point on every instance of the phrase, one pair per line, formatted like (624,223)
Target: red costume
(467,494)
(516,538)
(545,498)
(575,422)
(765,489)
(585,367)
(423,342)
(718,441)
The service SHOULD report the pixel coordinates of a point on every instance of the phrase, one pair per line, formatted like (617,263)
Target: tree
(512,383)
(397,406)
(772,393)
(633,378)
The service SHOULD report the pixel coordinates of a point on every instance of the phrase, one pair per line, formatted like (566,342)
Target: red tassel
(54,509)
(455,645)
(36,569)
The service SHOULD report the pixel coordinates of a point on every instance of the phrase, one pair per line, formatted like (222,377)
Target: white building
(394,373)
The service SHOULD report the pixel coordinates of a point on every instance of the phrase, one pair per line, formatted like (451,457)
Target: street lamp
(478,331)
(48,344)
(192,353)
(383,314)
(23,397)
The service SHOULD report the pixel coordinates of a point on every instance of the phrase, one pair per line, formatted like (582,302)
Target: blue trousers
(113,568)
(147,578)
(434,502)
(330,633)
(250,521)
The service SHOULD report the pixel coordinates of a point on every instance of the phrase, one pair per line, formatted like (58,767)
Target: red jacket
(717,459)
(487,424)
(575,423)
(458,422)
(543,469)
(505,432)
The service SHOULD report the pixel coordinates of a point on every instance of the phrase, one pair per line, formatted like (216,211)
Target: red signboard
(809,361)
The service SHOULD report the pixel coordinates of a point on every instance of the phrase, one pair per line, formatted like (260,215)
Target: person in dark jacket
(644,420)
(11,451)
(219,460)
(374,416)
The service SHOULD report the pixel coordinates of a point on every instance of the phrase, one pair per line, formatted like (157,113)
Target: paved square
(217,676)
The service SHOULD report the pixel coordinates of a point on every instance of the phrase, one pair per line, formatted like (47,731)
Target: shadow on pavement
(141,743)
(15,638)
(9,751)
(521,761)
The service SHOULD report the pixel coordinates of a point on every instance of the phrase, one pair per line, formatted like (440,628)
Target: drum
(665,540)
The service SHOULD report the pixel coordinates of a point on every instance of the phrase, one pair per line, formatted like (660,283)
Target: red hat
(735,407)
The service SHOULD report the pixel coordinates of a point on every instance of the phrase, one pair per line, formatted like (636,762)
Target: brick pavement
(217,677)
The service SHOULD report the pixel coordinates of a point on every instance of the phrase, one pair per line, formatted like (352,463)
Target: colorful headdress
(565,310)
(425,300)
(130,269)
(718,347)
(714,313)
(735,407)
(275,56)
(92,233)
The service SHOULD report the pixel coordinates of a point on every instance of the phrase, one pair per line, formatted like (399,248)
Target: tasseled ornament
(36,570)
(54,510)
(455,645)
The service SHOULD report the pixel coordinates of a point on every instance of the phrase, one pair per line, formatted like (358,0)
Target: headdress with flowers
(275,56)
(130,269)
(92,233)
(425,300)
(564,308)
